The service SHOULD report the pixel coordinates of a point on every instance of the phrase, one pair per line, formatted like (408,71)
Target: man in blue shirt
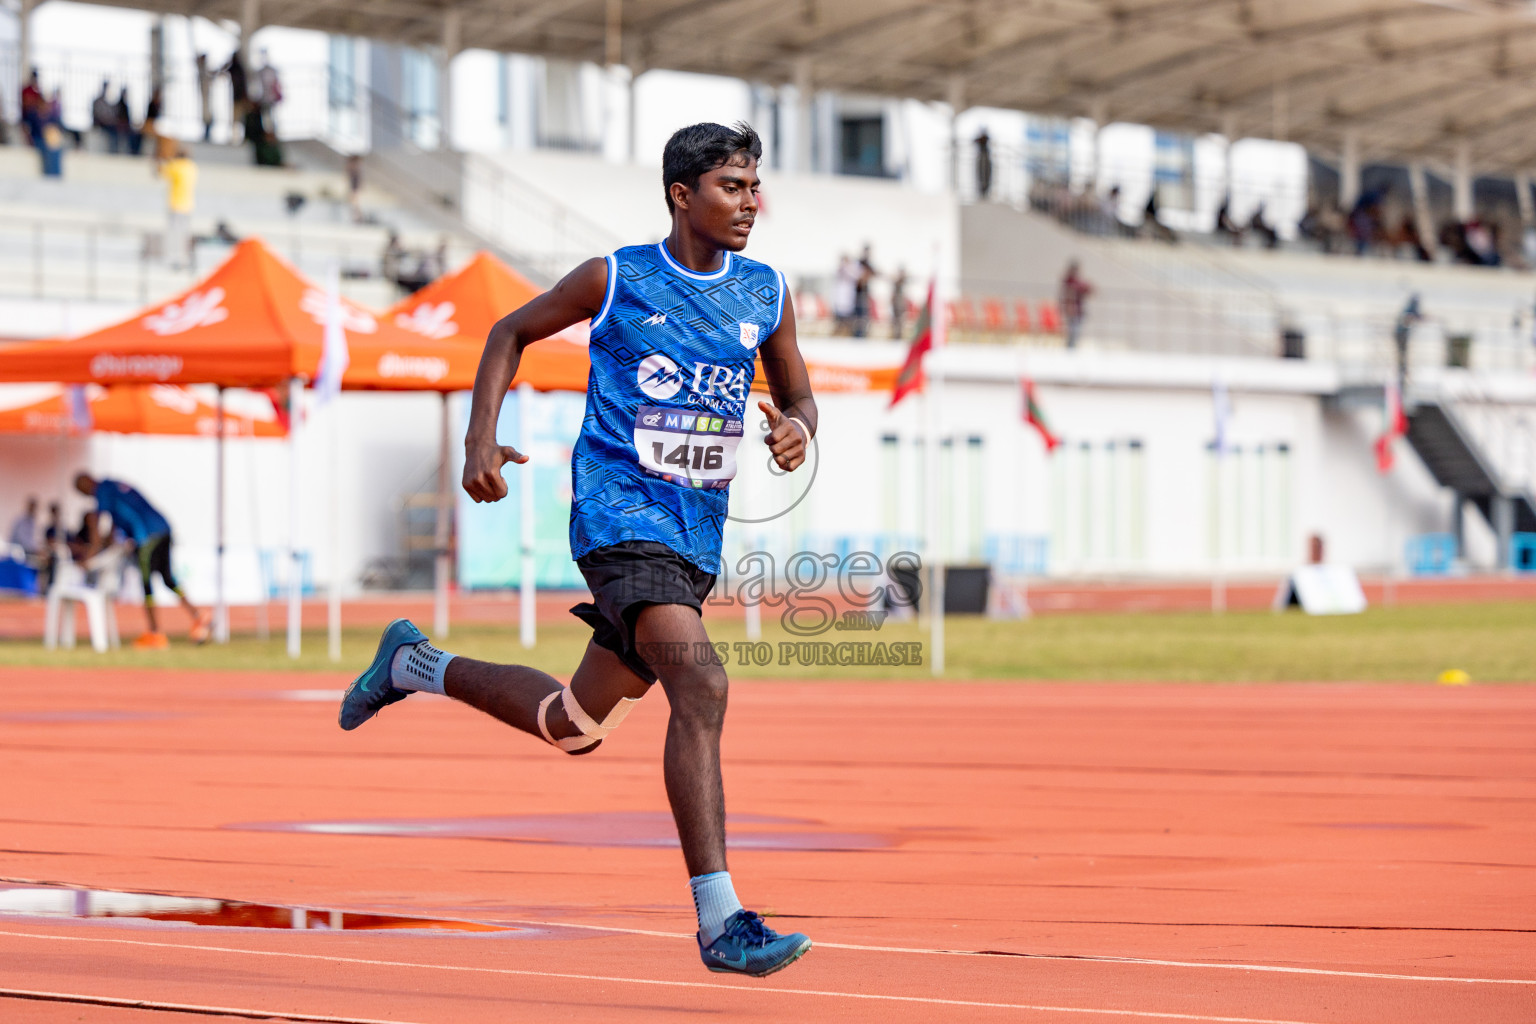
(675,330)
(133,517)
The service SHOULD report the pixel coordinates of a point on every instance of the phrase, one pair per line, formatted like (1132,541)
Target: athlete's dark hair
(698,149)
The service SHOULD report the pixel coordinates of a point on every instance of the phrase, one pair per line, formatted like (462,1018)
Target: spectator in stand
(205,77)
(1225,225)
(390,263)
(864,273)
(355,186)
(140,522)
(1483,241)
(1407,236)
(54,115)
(899,302)
(239,93)
(1153,223)
(1365,224)
(33,107)
(269,90)
(160,148)
(1401,331)
(1323,224)
(1074,295)
(50,140)
(23,535)
(983,144)
(125,126)
(1109,210)
(180,175)
(104,118)
(844,286)
(1261,227)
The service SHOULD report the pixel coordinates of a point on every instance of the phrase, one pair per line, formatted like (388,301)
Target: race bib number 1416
(687,448)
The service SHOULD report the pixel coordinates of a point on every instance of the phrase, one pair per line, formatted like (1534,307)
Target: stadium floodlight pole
(444,510)
(527,593)
(295,581)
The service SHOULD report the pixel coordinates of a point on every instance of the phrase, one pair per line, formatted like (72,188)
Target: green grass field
(1492,642)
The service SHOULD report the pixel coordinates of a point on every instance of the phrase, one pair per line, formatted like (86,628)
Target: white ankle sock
(420,667)
(714,899)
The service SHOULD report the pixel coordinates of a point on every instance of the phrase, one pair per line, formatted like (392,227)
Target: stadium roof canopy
(1413,78)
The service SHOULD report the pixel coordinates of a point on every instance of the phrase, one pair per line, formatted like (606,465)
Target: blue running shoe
(752,948)
(371,691)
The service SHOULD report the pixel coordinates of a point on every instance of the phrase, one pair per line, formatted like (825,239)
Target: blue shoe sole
(804,948)
(396,635)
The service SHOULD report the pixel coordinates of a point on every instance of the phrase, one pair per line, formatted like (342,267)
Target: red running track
(1334,854)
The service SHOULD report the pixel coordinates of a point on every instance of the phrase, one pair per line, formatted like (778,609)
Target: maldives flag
(1394,427)
(910,377)
(1035,418)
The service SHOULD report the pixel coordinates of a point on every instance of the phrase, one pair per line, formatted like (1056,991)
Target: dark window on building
(862,146)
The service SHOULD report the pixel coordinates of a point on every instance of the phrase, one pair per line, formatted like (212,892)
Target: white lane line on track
(508,971)
(211,1011)
(1083,958)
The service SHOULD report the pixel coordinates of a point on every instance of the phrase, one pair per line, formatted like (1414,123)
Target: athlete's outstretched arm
(577,297)
(792,416)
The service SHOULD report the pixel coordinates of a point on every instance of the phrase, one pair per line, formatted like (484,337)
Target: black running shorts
(155,560)
(624,578)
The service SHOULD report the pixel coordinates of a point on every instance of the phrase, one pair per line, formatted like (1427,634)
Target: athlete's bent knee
(700,693)
(591,732)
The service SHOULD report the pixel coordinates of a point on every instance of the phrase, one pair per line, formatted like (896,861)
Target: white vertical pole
(1219,579)
(527,595)
(220,603)
(955,95)
(444,510)
(295,575)
(452,43)
(1462,181)
(805,113)
(24,41)
(333,592)
(1349,170)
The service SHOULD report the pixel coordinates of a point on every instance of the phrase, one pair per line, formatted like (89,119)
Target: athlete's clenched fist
(482,469)
(787,437)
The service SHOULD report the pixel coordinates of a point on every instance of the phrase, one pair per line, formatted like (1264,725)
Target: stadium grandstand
(1262,198)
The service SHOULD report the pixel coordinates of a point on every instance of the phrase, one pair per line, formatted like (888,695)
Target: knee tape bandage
(592,731)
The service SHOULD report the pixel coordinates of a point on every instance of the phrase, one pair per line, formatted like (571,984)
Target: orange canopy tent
(462,306)
(253,322)
(132,409)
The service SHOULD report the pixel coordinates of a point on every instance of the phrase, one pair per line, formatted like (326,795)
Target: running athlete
(136,519)
(675,327)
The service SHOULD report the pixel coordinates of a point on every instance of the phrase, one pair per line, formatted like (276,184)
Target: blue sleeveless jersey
(672,365)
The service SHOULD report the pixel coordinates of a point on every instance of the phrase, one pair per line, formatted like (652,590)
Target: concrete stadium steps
(97,234)
(1199,295)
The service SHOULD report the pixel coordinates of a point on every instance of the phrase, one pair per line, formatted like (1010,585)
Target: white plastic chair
(93,584)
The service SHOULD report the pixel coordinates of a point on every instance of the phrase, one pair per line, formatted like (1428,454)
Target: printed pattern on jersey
(671,347)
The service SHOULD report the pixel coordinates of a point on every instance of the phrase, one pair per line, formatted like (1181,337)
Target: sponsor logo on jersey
(685,421)
(659,377)
(748,335)
(711,380)
(655,320)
